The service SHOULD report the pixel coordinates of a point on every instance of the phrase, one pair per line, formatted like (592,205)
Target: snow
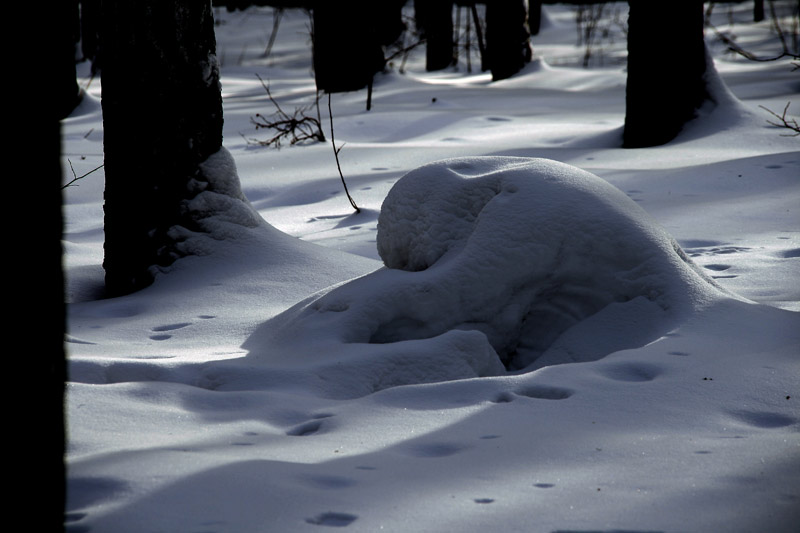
(284,378)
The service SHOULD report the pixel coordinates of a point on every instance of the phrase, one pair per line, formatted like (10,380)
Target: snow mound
(519,261)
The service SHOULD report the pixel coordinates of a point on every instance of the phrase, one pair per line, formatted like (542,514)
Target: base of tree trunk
(666,71)
(162,117)
(508,47)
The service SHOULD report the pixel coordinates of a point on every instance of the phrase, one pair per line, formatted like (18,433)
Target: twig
(784,122)
(277,13)
(336,155)
(776,25)
(296,127)
(76,178)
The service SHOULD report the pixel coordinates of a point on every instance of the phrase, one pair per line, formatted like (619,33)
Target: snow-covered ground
(241,393)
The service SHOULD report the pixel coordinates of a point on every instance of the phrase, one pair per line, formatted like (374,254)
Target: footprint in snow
(435,449)
(630,372)
(537,392)
(764,419)
(788,254)
(305,429)
(330,482)
(717,267)
(168,327)
(544,392)
(172,327)
(332,519)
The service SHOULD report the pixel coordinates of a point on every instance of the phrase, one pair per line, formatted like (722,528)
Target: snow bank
(519,261)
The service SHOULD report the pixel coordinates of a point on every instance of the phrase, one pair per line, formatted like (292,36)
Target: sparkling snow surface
(534,355)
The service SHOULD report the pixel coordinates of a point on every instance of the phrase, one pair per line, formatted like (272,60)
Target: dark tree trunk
(37,291)
(347,50)
(434,20)
(534,16)
(162,117)
(507,39)
(90,28)
(666,70)
(67,91)
(758,10)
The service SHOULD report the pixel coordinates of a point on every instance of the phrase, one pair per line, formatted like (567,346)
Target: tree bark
(67,91)
(758,10)
(434,20)
(162,117)
(347,51)
(507,39)
(666,70)
(534,16)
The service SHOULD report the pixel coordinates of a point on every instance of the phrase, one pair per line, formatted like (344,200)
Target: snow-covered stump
(495,263)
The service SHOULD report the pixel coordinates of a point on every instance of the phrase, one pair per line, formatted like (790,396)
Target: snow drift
(493,263)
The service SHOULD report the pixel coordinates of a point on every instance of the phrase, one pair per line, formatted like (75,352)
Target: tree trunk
(347,52)
(36,294)
(666,68)
(434,19)
(90,31)
(67,91)
(534,16)
(162,117)
(758,10)
(507,38)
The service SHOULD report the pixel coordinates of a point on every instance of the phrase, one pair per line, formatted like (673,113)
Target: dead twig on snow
(296,127)
(336,155)
(76,177)
(789,123)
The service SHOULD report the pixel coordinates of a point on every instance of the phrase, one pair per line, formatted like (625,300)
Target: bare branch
(336,155)
(296,127)
(75,177)
(789,123)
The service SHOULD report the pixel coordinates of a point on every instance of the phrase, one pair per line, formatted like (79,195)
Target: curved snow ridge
(497,263)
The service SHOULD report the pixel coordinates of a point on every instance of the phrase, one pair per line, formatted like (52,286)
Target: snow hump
(496,264)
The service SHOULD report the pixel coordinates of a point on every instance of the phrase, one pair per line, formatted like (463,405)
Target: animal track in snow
(332,519)
(537,392)
(714,250)
(172,327)
(631,372)
(544,392)
(717,267)
(310,427)
(168,327)
(330,482)
(788,254)
(435,449)
(305,429)
(764,419)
